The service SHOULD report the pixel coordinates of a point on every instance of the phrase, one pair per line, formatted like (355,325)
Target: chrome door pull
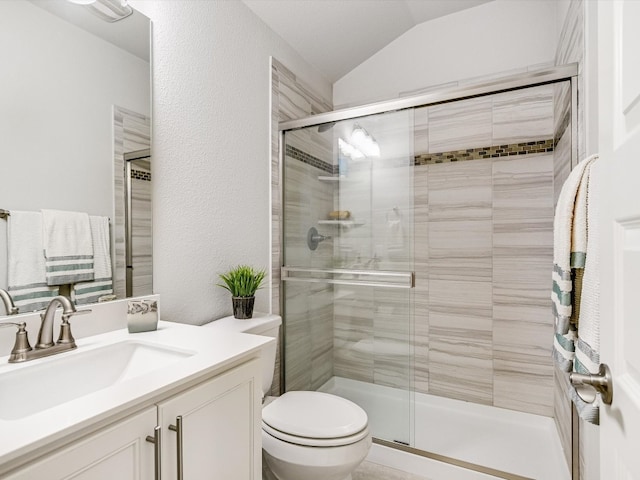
(602,382)
(157,442)
(180,458)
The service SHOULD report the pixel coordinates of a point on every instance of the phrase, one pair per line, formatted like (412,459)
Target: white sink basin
(56,380)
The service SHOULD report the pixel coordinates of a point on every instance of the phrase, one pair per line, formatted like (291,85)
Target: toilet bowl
(305,435)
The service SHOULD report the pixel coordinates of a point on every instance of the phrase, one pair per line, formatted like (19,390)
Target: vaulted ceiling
(335,36)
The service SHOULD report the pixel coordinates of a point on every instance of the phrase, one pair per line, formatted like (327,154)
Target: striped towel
(68,247)
(27,282)
(569,254)
(587,345)
(90,292)
(575,288)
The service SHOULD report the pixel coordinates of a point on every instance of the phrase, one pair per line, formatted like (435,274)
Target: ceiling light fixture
(108,10)
(349,150)
(364,142)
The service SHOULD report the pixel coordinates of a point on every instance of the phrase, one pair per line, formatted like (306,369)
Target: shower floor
(518,443)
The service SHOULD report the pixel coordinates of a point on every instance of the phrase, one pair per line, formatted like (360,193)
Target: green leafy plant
(242,281)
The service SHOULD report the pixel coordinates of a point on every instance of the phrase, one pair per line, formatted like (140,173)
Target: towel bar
(364,278)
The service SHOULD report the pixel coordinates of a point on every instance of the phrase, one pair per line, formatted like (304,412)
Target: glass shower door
(348,265)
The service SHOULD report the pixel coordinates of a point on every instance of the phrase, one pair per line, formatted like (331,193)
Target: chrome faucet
(45,335)
(22,352)
(8,302)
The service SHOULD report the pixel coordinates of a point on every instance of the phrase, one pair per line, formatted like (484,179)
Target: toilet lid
(314,415)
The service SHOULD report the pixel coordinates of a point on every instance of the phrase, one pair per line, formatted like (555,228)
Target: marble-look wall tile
(523,369)
(562,164)
(421,130)
(290,99)
(421,269)
(523,115)
(570,49)
(309,307)
(459,243)
(460,331)
(523,325)
(460,125)
(141,249)
(392,338)
(308,335)
(562,411)
(353,333)
(571,42)
(132,132)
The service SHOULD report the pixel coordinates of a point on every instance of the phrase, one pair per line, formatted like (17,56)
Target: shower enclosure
(417,244)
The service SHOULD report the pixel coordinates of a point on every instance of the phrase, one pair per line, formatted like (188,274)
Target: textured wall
(211,149)
(499,36)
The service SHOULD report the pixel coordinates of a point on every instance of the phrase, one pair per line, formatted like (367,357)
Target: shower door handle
(601,381)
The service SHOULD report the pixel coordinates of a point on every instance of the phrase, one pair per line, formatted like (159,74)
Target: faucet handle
(21,345)
(77,312)
(66,337)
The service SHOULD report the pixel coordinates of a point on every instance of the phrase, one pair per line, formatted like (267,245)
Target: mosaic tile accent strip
(141,175)
(304,157)
(525,148)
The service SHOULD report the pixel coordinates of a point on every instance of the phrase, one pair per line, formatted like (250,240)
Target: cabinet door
(116,452)
(221,428)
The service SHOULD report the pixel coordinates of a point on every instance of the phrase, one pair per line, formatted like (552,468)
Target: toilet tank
(264,324)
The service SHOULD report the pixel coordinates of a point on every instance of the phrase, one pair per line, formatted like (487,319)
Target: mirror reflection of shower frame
(130,157)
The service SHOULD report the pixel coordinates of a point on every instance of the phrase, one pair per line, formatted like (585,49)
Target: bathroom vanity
(179,401)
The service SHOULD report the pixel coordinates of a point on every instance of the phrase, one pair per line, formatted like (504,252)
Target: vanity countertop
(207,352)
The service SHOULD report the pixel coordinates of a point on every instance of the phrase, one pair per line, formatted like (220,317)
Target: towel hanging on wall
(575,292)
(68,247)
(26,275)
(102,285)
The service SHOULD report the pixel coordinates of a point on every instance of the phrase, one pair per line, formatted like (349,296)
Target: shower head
(325,127)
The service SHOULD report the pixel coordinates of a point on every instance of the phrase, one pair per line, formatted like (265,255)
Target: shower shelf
(341,223)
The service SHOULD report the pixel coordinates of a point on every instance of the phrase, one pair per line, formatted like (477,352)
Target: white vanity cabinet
(119,451)
(218,420)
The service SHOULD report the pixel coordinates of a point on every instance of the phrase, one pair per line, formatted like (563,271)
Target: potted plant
(242,281)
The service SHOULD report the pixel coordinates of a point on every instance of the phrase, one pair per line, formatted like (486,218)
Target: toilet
(305,435)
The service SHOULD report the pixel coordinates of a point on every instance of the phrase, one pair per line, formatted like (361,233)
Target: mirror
(76,97)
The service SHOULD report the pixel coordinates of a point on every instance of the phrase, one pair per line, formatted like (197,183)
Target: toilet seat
(315,442)
(314,419)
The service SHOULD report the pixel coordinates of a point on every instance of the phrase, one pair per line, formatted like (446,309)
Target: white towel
(68,248)
(569,253)
(90,292)
(575,292)
(26,269)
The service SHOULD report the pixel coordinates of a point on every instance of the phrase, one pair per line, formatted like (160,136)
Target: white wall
(503,35)
(211,147)
(59,85)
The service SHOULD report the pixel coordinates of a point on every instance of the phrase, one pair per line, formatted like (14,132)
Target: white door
(619,138)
